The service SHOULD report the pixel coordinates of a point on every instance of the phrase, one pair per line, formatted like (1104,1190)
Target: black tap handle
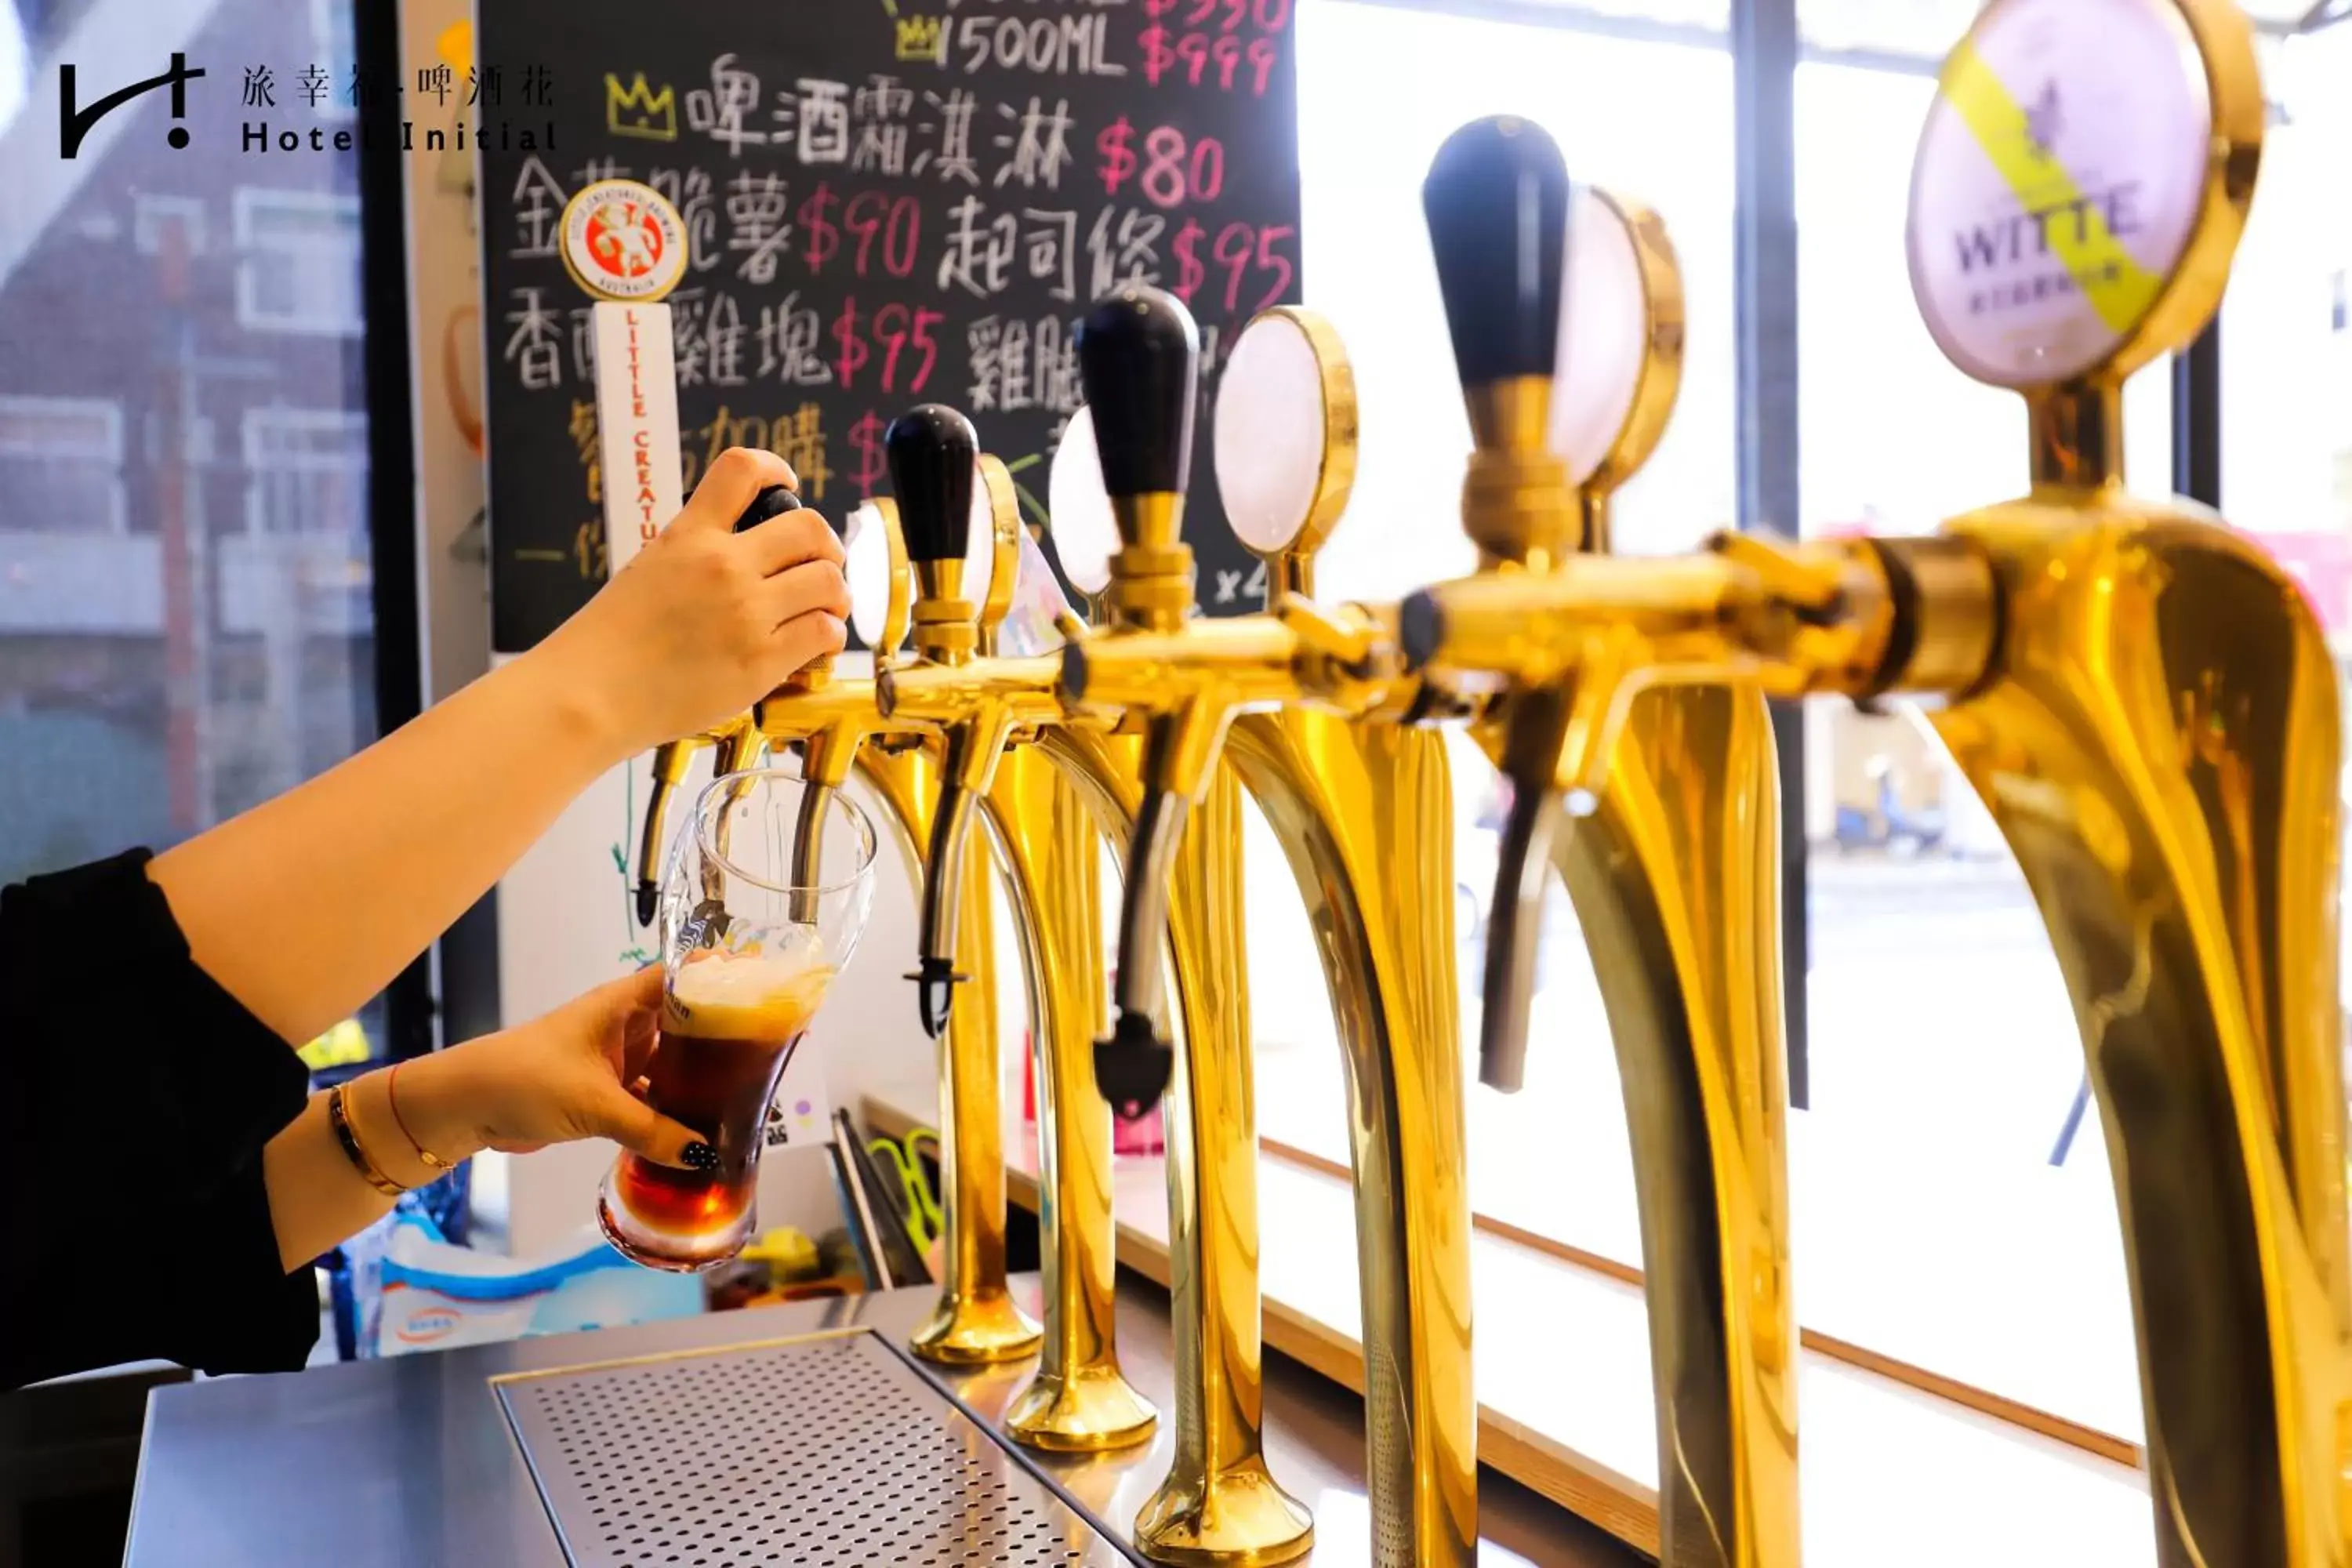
(1139,361)
(773,501)
(930,450)
(1496,202)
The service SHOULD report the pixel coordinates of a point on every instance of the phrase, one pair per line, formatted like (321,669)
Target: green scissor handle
(924,1219)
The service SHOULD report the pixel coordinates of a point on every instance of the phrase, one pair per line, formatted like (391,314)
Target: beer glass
(765,893)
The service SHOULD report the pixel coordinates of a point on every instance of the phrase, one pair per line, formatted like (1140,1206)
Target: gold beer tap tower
(1047,783)
(2144,702)
(2143,699)
(1367,820)
(1042,821)
(1362,807)
(1672,857)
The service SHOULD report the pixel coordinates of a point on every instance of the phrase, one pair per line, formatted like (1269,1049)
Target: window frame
(108,449)
(252,247)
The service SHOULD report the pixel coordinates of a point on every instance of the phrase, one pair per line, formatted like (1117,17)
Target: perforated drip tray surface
(828,1450)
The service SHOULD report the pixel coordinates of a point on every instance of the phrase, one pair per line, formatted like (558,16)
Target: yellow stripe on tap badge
(2073,226)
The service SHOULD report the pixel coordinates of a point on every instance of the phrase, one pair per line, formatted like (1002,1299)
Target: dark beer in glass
(765,895)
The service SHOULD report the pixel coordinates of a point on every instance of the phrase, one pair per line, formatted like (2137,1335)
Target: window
(299,572)
(2286,351)
(1555,1158)
(334,33)
(304,468)
(184,611)
(61,464)
(299,267)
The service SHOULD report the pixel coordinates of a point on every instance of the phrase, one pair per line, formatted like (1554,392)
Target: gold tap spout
(1179,679)
(673,760)
(1497,200)
(1044,792)
(1045,789)
(1139,356)
(1080,1401)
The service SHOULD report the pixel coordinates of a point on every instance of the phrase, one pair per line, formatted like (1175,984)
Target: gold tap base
(1234,1520)
(1083,1411)
(977,1330)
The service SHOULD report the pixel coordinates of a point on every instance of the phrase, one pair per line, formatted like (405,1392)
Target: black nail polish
(699,1156)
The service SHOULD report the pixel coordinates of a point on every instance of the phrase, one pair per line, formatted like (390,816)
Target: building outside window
(184,594)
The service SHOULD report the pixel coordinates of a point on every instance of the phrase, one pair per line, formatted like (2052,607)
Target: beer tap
(932,452)
(1565,309)
(1218,1502)
(1289,705)
(2146,704)
(976,1320)
(1046,800)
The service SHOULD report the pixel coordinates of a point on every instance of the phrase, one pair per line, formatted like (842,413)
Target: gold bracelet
(433,1161)
(353,1151)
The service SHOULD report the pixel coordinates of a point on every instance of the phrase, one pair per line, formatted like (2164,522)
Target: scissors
(921,1207)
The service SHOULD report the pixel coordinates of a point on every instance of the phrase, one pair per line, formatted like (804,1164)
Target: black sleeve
(135,1096)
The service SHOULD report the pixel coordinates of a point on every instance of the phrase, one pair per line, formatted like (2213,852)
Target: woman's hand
(704,622)
(561,1077)
(554,1079)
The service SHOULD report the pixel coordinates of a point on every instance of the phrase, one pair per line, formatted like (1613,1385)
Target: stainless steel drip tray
(825,1449)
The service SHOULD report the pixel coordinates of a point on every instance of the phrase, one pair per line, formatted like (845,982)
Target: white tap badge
(1269,433)
(2058,181)
(1604,336)
(637,427)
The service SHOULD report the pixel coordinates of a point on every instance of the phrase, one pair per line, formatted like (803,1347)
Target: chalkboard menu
(887,202)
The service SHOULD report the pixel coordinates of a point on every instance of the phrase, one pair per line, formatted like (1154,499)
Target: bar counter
(420,1459)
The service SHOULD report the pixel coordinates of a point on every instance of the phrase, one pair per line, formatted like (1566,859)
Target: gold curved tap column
(1363,810)
(1671,854)
(1004,722)
(2146,705)
(1044,831)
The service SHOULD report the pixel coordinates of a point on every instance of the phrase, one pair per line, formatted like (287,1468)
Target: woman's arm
(559,1078)
(307,905)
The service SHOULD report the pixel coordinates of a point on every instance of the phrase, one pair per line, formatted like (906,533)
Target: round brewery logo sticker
(624,241)
(2058,182)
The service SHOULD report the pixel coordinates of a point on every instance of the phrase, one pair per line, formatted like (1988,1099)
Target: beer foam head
(765,995)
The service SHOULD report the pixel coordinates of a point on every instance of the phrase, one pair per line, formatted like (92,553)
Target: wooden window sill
(1564,1376)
